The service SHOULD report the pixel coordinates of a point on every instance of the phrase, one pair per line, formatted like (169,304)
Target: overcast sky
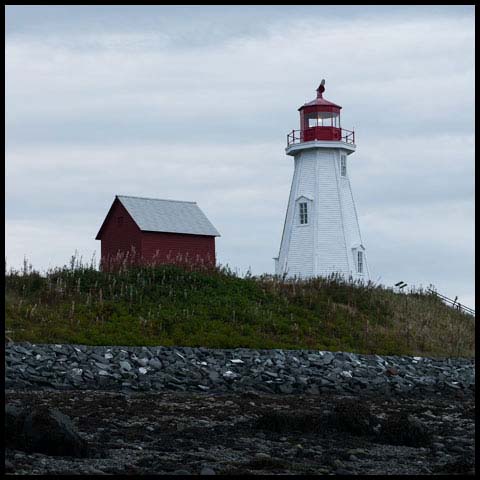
(194,103)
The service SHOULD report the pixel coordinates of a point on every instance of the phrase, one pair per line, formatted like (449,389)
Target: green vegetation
(170,305)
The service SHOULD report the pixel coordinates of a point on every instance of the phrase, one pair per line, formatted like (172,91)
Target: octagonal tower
(321,234)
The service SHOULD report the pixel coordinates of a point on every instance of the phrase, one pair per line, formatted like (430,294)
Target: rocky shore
(73,409)
(161,369)
(179,433)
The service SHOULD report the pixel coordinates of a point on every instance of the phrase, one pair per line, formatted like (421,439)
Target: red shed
(151,230)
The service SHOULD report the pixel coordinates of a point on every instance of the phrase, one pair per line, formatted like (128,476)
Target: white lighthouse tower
(321,235)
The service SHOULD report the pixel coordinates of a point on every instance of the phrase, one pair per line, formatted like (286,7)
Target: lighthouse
(321,234)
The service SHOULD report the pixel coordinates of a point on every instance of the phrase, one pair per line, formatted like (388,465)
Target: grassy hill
(168,305)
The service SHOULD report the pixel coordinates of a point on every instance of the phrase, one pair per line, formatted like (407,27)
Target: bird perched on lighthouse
(321,234)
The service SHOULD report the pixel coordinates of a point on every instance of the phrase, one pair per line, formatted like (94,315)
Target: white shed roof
(173,216)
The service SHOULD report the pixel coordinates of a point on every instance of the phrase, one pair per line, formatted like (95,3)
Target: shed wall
(119,237)
(160,247)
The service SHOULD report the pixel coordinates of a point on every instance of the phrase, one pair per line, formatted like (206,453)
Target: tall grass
(209,306)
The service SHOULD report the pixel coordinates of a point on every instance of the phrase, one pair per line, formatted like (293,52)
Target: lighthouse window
(323,119)
(343,165)
(303,213)
(336,121)
(360,262)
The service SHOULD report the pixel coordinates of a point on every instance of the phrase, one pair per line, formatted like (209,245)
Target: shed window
(303,213)
(360,262)
(343,165)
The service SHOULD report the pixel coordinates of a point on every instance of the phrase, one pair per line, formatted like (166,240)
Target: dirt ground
(254,434)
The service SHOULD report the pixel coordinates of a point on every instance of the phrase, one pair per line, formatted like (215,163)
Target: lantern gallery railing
(297,136)
(348,136)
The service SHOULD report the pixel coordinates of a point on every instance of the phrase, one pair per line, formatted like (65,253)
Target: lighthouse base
(321,234)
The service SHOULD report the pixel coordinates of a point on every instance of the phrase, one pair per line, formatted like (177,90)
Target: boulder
(404,429)
(14,418)
(353,417)
(42,430)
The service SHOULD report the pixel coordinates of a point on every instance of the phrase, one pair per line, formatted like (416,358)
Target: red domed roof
(320,101)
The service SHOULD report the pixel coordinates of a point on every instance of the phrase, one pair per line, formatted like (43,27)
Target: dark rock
(312,390)
(14,419)
(51,432)
(124,365)
(263,461)
(207,471)
(285,388)
(22,350)
(98,358)
(327,358)
(343,471)
(353,417)
(457,449)
(403,429)
(9,468)
(269,371)
(145,353)
(282,422)
(143,362)
(102,366)
(155,363)
(391,371)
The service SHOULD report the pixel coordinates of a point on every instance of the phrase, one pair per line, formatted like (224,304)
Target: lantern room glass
(323,119)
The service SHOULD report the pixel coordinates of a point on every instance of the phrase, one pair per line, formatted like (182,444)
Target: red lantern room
(320,120)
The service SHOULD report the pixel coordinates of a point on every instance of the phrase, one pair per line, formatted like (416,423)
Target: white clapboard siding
(330,241)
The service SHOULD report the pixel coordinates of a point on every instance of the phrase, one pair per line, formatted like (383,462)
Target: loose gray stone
(155,363)
(143,362)
(286,388)
(283,371)
(124,365)
(102,366)
(207,471)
